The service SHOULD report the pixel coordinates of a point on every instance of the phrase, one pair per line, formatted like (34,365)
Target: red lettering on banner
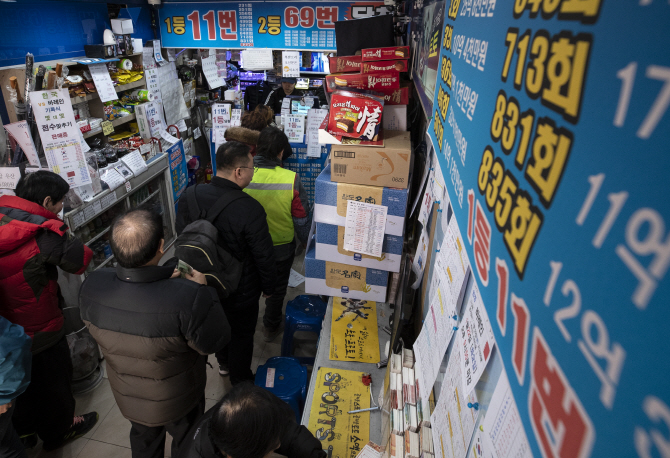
(228,24)
(520,343)
(291,17)
(471,211)
(503,284)
(326,16)
(552,403)
(482,244)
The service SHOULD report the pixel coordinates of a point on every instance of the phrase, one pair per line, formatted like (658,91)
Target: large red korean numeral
(560,423)
(520,344)
(503,285)
(482,244)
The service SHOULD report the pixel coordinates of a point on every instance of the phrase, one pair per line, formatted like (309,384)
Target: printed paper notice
(427,201)
(476,340)
(210,70)
(314,119)
(112,178)
(503,425)
(103,82)
(236,117)
(134,162)
(220,121)
(290,64)
(295,279)
(364,228)
(19,130)
(419,263)
(148,57)
(295,128)
(60,135)
(453,422)
(9,176)
(158,56)
(257,59)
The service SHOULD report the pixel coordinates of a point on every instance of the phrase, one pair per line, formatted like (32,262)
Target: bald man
(155,330)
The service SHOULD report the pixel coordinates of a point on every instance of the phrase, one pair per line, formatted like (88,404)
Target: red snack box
(395,52)
(398,96)
(375,82)
(345,64)
(384,66)
(355,115)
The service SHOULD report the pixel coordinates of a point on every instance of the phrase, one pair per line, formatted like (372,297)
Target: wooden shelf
(120,88)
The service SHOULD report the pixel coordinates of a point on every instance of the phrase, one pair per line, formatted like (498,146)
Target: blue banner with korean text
(550,122)
(276,25)
(178,170)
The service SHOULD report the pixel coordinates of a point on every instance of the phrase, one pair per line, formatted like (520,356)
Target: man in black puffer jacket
(244,233)
(250,422)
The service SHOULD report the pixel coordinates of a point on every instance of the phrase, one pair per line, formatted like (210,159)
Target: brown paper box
(388,166)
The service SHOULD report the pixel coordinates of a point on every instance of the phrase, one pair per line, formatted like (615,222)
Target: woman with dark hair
(34,241)
(250,422)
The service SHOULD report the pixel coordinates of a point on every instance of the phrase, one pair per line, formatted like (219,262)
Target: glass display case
(91,222)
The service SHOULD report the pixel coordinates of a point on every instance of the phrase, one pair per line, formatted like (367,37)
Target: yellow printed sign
(360,193)
(107,128)
(339,275)
(338,391)
(353,331)
(341,250)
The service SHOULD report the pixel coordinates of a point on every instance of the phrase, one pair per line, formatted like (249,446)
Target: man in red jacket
(33,242)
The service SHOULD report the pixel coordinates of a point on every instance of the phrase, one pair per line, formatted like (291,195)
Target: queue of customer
(154,324)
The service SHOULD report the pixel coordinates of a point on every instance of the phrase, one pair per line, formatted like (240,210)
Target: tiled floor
(110,436)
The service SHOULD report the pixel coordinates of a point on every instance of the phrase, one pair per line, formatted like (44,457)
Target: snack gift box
(335,279)
(330,242)
(384,66)
(398,96)
(387,166)
(384,81)
(393,52)
(345,64)
(330,202)
(355,115)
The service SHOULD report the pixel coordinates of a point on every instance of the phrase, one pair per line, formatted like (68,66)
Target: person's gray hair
(136,237)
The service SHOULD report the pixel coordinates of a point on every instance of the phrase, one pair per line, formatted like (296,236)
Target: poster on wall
(552,134)
(276,25)
(178,171)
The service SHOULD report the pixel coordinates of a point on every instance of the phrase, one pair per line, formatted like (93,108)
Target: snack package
(355,115)
(394,52)
(384,66)
(375,82)
(345,64)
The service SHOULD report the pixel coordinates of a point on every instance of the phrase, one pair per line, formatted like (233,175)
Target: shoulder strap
(193,207)
(221,204)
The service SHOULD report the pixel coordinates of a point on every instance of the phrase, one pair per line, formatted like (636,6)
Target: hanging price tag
(128,187)
(107,128)
(9,176)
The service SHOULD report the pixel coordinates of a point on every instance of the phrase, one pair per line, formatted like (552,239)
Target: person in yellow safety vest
(284,199)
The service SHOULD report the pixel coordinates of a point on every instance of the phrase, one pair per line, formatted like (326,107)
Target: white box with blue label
(335,279)
(330,202)
(330,247)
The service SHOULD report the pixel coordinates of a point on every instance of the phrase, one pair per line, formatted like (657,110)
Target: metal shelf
(151,196)
(98,236)
(120,88)
(104,263)
(115,123)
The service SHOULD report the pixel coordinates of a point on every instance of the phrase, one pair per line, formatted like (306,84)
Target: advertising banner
(550,123)
(277,25)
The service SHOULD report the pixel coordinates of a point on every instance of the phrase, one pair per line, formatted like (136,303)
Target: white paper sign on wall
(290,64)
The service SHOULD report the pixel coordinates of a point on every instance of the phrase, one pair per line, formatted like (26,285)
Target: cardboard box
(335,279)
(345,64)
(381,66)
(388,166)
(330,247)
(395,118)
(395,96)
(330,202)
(375,82)
(122,26)
(393,52)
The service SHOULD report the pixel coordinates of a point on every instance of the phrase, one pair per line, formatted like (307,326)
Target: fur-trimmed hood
(242,134)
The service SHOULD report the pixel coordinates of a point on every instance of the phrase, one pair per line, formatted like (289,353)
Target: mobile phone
(184,268)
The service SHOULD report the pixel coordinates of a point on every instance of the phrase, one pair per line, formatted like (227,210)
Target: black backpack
(256,94)
(198,244)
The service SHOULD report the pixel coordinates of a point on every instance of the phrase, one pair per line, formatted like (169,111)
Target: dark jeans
(149,441)
(237,355)
(47,406)
(10,444)
(275,303)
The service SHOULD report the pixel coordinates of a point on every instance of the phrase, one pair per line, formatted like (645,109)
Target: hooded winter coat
(243,135)
(33,242)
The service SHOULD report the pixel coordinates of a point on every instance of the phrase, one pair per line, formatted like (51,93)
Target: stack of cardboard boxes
(375,175)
